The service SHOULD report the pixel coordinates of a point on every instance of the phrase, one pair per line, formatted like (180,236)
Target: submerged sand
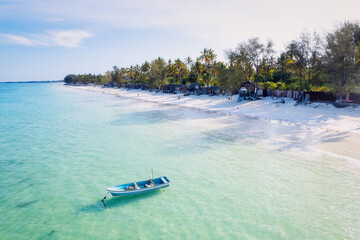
(316,127)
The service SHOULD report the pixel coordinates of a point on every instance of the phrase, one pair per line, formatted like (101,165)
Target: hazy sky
(48,39)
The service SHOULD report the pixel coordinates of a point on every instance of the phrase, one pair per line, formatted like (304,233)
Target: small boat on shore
(139,187)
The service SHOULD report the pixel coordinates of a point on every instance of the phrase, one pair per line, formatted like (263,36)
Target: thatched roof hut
(194,86)
(174,88)
(250,86)
(215,90)
(252,89)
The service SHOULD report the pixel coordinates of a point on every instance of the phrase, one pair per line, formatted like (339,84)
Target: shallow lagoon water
(60,148)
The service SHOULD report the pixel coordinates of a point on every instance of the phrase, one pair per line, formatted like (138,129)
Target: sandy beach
(316,127)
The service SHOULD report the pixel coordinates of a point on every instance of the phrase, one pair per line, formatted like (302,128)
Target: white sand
(323,126)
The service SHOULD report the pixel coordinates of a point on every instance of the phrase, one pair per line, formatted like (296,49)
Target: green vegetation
(310,63)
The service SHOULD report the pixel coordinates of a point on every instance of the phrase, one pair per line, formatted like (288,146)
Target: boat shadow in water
(112,202)
(130,199)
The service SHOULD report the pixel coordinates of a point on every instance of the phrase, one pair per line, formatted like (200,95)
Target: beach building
(251,89)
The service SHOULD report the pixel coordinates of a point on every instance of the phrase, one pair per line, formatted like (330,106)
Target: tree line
(309,63)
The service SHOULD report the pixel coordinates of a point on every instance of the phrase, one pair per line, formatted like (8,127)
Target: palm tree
(298,61)
(171,70)
(131,73)
(281,63)
(180,69)
(198,67)
(145,67)
(208,57)
(188,61)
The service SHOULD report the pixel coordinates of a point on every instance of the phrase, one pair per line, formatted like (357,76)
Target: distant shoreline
(45,81)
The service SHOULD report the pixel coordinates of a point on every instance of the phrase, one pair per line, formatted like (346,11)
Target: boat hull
(122,190)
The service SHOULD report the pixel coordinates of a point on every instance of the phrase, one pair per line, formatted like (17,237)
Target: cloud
(221,23)
(67,39)
(15,39)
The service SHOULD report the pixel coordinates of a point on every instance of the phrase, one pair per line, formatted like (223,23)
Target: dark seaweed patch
(25,204)
(48,235)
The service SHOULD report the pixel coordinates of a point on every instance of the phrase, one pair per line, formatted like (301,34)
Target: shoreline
(318,127)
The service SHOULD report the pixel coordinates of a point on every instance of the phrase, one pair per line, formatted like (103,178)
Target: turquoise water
(60,148)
